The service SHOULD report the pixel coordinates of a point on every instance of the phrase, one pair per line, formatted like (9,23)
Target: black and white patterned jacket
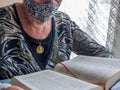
(15,56)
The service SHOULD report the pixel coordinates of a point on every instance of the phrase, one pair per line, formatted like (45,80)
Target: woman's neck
(35,29)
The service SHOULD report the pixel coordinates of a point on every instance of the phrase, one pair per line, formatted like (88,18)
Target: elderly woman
(35,36)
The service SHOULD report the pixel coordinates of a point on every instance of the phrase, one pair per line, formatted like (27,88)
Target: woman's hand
(14,88)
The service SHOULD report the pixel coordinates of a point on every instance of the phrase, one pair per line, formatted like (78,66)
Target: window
(91,15)
(97,18)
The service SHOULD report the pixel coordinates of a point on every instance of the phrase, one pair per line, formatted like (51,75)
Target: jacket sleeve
(83,44)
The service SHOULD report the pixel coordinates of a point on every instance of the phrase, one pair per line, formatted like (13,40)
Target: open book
(91,73)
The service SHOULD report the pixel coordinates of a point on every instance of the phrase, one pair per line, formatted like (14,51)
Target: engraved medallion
(40,49)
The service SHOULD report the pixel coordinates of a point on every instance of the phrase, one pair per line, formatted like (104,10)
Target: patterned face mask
(40,12)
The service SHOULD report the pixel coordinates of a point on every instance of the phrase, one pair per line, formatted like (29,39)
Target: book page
(93,69)
(51,80)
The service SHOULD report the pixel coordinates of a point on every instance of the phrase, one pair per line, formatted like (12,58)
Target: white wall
(8,2)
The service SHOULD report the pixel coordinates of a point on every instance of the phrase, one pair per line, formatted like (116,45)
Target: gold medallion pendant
(40,49)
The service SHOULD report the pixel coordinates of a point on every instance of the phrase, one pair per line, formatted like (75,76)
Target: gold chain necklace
(40,48)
